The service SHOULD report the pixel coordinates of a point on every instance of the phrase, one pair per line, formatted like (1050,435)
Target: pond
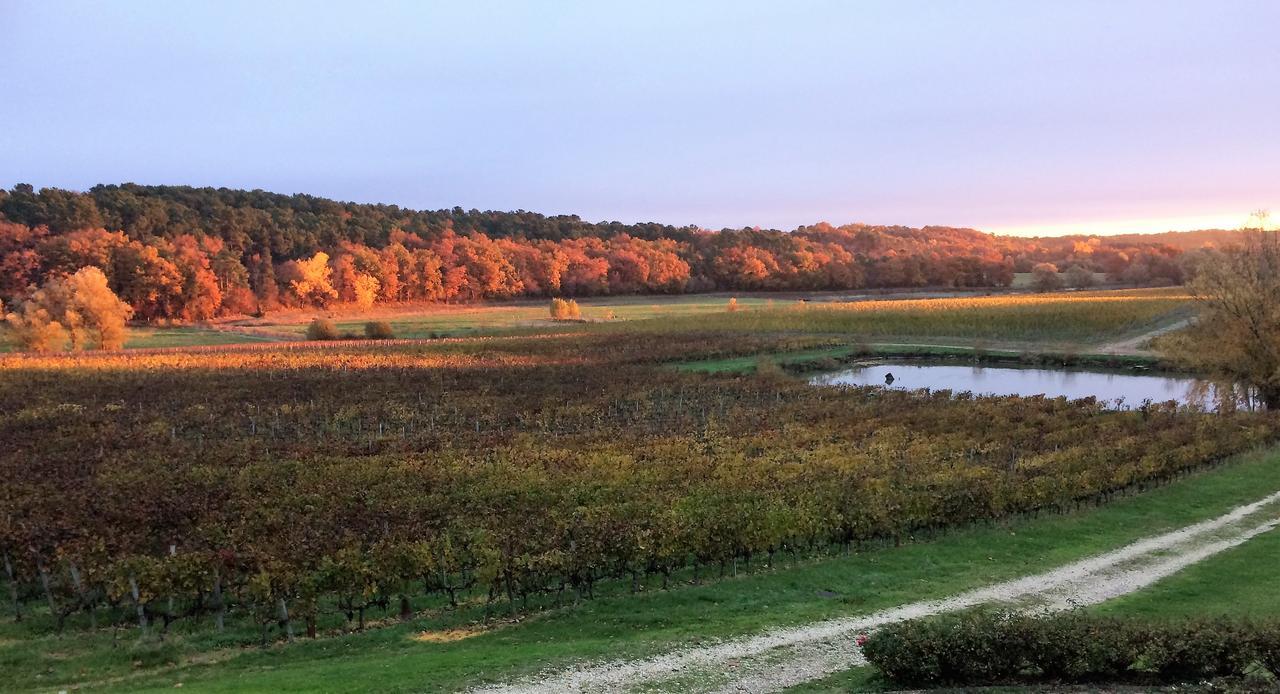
(1121,390)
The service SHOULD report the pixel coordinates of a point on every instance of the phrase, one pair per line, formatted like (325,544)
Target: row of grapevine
(281,485)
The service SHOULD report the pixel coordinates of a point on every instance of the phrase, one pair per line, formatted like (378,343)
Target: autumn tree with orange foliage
(101,312)
(80,308)
(311,280)
(562,309)
(34,328)
(176,253)
(201,292)
(366,290)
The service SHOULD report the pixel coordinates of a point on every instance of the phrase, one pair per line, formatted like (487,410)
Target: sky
(1013,117)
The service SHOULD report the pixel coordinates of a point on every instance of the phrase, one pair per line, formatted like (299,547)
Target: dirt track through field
(780,658)
(1138,344)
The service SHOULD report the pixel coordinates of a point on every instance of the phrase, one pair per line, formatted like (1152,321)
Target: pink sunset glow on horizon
(1014,118)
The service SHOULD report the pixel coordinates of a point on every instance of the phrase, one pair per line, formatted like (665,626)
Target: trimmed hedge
(992,648)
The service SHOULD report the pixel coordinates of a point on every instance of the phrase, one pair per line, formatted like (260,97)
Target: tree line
(191,254)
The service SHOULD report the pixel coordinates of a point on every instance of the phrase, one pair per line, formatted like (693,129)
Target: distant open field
(1025,280)
(1022,316)
(1084,318)
(441,320)
(426,320)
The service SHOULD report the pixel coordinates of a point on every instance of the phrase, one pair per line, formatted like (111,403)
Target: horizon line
(1217,221)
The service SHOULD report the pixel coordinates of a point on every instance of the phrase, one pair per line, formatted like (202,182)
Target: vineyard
(302,485)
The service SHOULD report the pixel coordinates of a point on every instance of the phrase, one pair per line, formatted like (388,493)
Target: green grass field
(1081,318)
(148,337)
(523,316)
(619,624)
(1239,582)
(1064,321)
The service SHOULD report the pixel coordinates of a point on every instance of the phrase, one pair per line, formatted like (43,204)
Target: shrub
(1200,650)
(562,309)
(1079,277)
(1045,278)
(378,330)
(322,329)
(1266,645)
(991,648)
(733,304)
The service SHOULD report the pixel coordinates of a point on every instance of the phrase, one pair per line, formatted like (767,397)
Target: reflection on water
(1120,390)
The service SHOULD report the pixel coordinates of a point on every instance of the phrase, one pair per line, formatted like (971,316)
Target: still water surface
(1120,389)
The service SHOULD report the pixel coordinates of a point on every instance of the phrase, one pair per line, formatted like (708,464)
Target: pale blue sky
(999,115)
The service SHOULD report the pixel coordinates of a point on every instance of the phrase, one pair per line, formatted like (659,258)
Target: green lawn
(1239,582)
(143,337)
(618,624)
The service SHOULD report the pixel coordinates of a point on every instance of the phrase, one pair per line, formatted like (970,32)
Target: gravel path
(780,658)
(1138,344)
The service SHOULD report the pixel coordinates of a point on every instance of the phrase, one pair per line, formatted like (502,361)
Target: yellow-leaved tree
(366,290)
(32,327)
(80,308)
(102,314)
(1236,333)
(313,280)
(562,309)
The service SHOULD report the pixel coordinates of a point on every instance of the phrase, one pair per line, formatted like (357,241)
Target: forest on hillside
(183,253)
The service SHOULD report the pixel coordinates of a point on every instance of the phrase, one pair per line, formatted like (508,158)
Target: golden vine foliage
(338,474)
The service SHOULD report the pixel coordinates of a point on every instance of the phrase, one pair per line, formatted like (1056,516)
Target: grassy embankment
(460,649)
